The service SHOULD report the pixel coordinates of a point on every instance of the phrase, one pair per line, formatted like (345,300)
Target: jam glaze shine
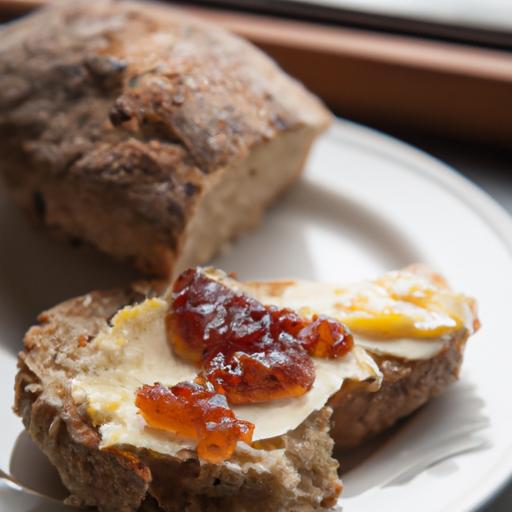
(246,353)
(249,351)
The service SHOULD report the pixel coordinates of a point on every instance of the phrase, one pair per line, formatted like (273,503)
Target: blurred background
(434,73)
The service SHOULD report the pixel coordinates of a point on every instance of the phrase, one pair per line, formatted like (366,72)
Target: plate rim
(496,218)
(433,168)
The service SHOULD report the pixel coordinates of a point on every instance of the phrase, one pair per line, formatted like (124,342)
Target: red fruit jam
(195,411)
(248,351)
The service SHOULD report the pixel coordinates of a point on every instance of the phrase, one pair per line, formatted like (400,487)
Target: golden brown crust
(118,481)
(113,116)
(406,386)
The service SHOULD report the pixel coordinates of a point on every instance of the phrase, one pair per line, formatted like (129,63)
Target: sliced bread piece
(82,364)
(410,322)
(153,136)
(292,471)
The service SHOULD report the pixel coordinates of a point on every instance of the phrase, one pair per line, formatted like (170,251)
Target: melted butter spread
(134,351)
(409,313)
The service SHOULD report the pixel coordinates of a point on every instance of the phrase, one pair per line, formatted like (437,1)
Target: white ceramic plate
(367,204)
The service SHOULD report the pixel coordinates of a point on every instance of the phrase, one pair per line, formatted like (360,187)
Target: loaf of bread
(153,136)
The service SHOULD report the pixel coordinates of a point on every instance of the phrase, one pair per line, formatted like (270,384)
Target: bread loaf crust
(115,116)
(115,479)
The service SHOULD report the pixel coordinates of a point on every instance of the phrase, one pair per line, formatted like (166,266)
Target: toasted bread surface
(292,472)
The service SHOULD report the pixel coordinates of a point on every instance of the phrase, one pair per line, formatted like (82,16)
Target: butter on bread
(410,322)
(291,471)
(82,365)
(134,351)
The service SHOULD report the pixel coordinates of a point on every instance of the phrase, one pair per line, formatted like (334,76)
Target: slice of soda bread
(75,392)
(411,323)
(291,471)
